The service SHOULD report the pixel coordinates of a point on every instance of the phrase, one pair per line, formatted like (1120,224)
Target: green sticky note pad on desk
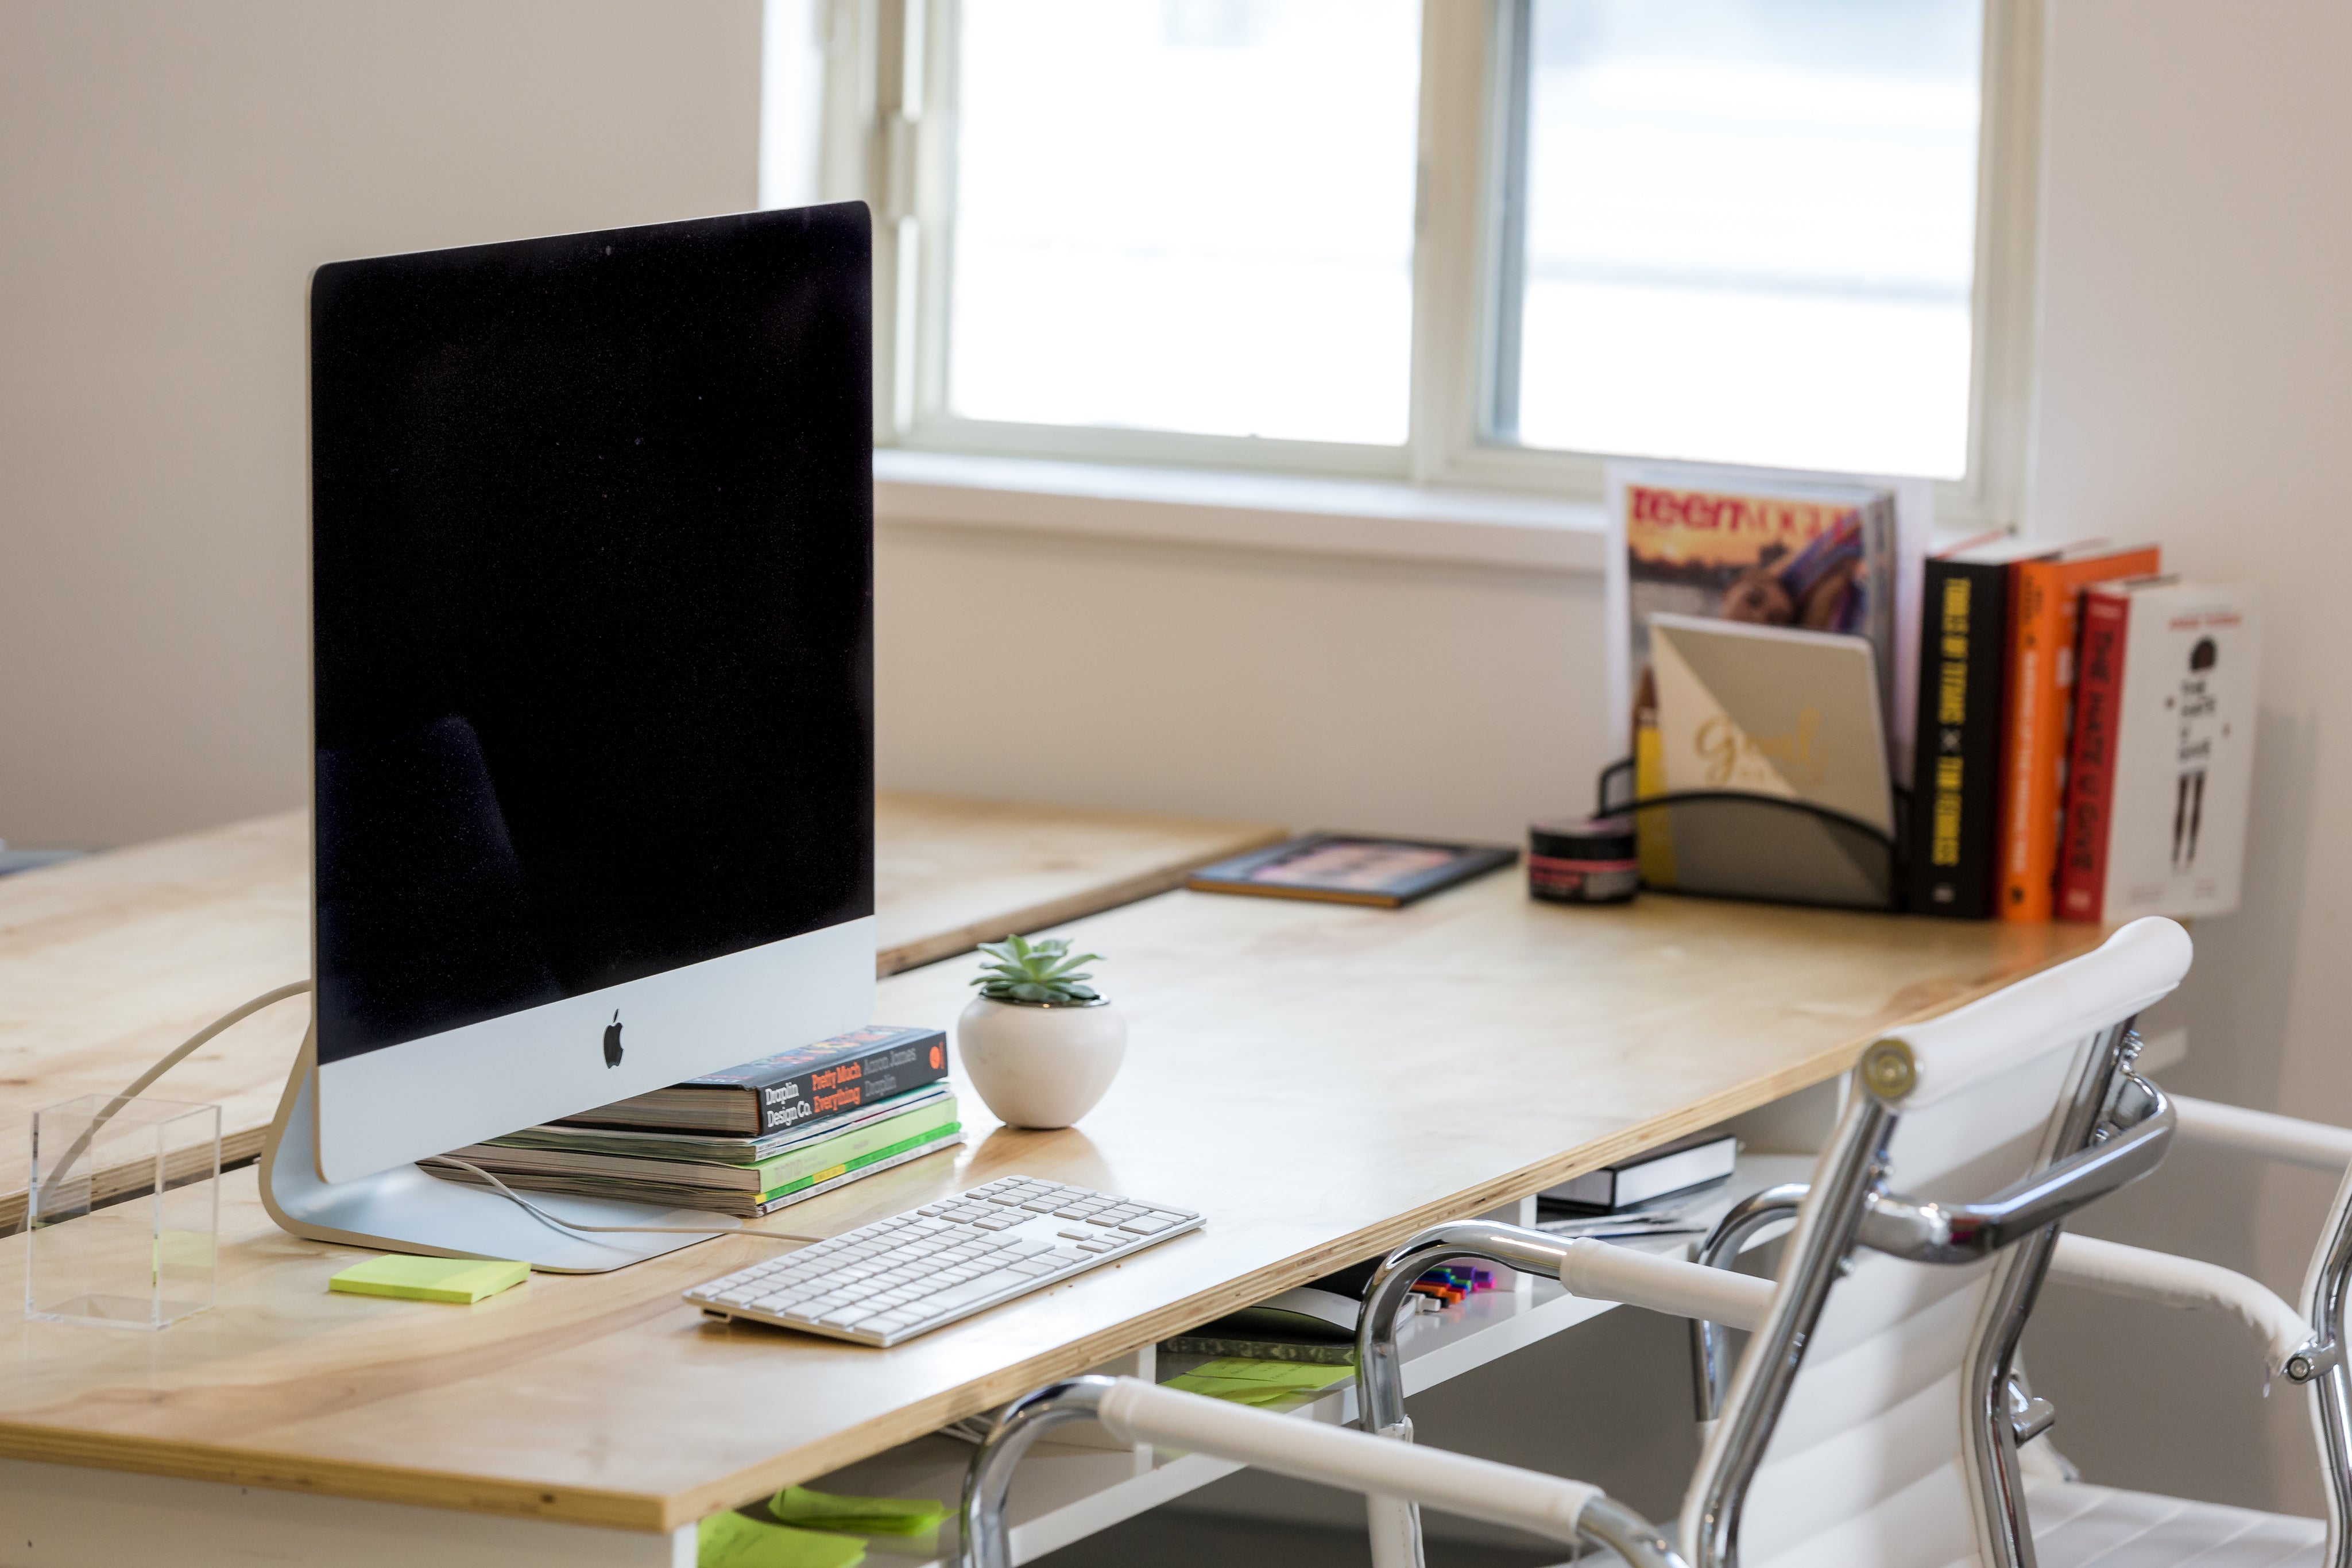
(463,1280)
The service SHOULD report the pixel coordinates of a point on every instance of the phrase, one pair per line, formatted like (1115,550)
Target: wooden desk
(106,963)
(1322,1081)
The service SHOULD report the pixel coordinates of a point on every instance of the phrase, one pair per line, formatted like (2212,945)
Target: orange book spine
(2045,601)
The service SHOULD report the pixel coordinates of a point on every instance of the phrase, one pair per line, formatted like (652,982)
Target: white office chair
(1872,1398)
(2078,1525)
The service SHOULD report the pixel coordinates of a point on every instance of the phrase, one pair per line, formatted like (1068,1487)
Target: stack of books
(2086,734)
(752,1139)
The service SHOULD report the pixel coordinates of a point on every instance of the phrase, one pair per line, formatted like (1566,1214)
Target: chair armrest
(1599,1272)
(1136,1411)
(2119,1270)
(2290,1139)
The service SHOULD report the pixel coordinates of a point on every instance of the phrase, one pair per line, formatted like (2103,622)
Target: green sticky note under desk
(731,1541)
(1260,1383)
(462,1280)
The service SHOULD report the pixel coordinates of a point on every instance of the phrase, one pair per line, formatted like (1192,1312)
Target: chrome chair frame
(2106,1155)
(2330,1381)
(2306,1346)
(2117,1128)
(1590,1517)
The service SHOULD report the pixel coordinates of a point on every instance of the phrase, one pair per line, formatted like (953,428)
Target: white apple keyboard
(908,1274)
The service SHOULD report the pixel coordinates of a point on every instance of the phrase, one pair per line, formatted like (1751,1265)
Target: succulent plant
(1026,971)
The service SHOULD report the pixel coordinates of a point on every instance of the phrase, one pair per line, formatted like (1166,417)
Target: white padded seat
(2076,1525)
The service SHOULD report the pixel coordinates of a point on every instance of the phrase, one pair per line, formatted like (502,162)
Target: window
(1184,215)
(1743,230)
(1485,242)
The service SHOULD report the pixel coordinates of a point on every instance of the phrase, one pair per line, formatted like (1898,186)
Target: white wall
(169,175)
(1315,691)
(2197,390)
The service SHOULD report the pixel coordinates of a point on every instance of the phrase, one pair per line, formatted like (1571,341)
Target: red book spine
(2090,759)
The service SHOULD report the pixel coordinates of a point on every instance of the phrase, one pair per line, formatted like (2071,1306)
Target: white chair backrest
(1874,1460)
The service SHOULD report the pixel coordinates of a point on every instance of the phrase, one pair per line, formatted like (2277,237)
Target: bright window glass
(1750,230)
(1185,216)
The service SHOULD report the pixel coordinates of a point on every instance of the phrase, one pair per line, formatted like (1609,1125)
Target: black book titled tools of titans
(828,1078)
(1956,761)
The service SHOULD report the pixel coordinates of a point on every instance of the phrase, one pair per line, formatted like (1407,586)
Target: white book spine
(2184,752)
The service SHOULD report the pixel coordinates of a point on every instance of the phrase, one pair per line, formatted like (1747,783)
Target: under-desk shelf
(1066,1491)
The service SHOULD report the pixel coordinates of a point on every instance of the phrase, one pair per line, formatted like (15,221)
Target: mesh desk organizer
(1728,843)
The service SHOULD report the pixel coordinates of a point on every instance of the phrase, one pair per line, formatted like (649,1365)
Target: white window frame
(889,118)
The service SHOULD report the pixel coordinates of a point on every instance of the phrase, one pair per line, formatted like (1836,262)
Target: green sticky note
(857,1515)
(464,1280)
(731,1541)
(1259,1383)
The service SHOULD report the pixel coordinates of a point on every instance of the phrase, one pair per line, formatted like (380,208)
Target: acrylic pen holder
(122,1212)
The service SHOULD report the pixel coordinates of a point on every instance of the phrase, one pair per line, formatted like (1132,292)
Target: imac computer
(591,556)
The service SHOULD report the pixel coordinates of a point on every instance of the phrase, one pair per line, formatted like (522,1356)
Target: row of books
(2085,734)
(1769,629)
(751,1139)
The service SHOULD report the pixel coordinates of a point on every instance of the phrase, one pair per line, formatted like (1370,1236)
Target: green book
(762,1179)
(751,1204)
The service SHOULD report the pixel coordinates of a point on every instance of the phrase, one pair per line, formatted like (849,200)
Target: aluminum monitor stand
(405,1210)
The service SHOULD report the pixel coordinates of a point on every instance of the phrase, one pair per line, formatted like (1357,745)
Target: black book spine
(823,1092)
(1956,766)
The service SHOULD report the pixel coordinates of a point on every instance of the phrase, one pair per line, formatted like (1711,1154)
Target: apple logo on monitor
(613,1041)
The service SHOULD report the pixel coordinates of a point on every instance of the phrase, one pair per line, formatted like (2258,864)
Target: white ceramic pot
(1040,1064)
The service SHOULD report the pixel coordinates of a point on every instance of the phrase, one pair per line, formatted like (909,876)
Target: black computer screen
(592,629)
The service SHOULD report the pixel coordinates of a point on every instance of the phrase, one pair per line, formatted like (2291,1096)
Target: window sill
(1293,514)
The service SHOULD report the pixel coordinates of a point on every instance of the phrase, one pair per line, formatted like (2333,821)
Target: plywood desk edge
(650,1511)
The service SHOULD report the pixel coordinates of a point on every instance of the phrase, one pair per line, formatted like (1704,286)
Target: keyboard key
(1063,1258)
(1101,1246)
(1073,1234)
(847,1316)
(889,1322)
(1149,1225)
(1108,1217)
(1001,1222)
(1032,1268)
(973,1291)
